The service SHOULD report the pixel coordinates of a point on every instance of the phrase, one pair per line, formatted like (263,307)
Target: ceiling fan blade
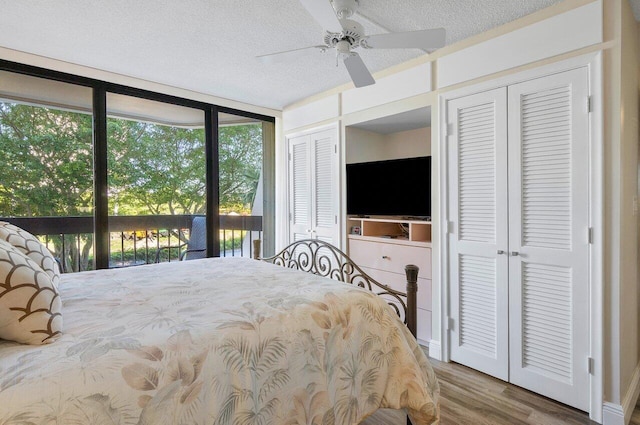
(358,71)
(423,39)
(290,54)
(323,12)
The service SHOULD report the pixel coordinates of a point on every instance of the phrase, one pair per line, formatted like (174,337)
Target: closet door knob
(500,252)
(514,253)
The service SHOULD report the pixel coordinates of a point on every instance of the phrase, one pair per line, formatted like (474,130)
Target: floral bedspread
(216,341)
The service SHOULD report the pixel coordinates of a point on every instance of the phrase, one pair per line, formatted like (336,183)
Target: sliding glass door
(156,181)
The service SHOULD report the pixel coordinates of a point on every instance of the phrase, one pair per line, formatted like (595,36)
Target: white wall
(629,294)
(365,146)
(408,144)
(322,109)
(622,291)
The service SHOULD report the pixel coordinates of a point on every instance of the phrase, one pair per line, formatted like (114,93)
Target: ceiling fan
(345,35)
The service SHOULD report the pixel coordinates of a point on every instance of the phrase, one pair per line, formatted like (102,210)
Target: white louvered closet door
(300,188)
(478,208)
(548,230)
(324,185)
(313,187)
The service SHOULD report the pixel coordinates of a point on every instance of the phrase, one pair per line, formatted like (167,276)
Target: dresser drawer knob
(385,257)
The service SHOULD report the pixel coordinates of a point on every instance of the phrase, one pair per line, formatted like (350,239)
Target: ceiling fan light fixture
(343,46)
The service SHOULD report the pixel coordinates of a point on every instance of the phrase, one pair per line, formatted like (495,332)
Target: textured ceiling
(210,45)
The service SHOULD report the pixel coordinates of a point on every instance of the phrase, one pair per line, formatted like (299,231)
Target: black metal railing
(135,240)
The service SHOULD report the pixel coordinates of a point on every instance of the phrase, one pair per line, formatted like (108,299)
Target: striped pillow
(30,306)
(29,245)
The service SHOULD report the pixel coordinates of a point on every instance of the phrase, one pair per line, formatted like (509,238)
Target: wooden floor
(471,397)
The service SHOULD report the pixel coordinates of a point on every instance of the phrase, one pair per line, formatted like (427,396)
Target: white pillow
(30,306)
(29,245)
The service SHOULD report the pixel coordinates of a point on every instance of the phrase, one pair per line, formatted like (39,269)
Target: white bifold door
(313,187)
(519,241)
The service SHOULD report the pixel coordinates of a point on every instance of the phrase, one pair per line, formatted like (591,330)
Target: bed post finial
(256,249)
(412,300)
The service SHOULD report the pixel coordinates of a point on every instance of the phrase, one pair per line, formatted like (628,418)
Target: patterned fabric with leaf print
(216,342)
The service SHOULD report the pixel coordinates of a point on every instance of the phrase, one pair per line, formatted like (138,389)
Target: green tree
(152,169)
(47,159)
(155,169)
(160,169)
(240,153)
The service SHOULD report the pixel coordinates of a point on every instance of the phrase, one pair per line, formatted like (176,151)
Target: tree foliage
(47,162)
(47,159)
(155,169)
(47,166)
(240,154)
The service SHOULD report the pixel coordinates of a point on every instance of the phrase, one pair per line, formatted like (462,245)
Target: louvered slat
(323,186)
(477,277)
(300,236)
(300,184)
(476,172)
(547,312)
(546,160)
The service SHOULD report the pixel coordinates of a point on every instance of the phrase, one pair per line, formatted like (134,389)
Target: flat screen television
(399,187)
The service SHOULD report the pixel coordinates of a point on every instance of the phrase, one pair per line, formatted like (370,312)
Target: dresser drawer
(389,256)
(399,283)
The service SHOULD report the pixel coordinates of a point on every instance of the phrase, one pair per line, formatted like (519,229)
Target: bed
(218,341)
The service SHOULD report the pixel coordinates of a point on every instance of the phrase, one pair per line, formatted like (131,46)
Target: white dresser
(384,246)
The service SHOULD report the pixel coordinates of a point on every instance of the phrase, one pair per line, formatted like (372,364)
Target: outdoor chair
(195,247)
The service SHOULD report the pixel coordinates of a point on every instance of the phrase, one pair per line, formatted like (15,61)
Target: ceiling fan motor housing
(352,32)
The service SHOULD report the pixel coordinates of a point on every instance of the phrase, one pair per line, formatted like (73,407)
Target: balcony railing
(135,240)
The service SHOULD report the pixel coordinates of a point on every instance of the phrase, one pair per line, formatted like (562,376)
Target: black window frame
(100,89)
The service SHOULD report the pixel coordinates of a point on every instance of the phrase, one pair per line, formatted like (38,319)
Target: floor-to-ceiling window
(46,152)
(156,181)
(112,176)
(240,152)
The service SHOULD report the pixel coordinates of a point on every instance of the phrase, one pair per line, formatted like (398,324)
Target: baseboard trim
(620,414)
(612,414)
(435,350)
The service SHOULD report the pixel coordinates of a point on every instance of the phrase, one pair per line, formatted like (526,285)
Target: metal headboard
(323,259)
